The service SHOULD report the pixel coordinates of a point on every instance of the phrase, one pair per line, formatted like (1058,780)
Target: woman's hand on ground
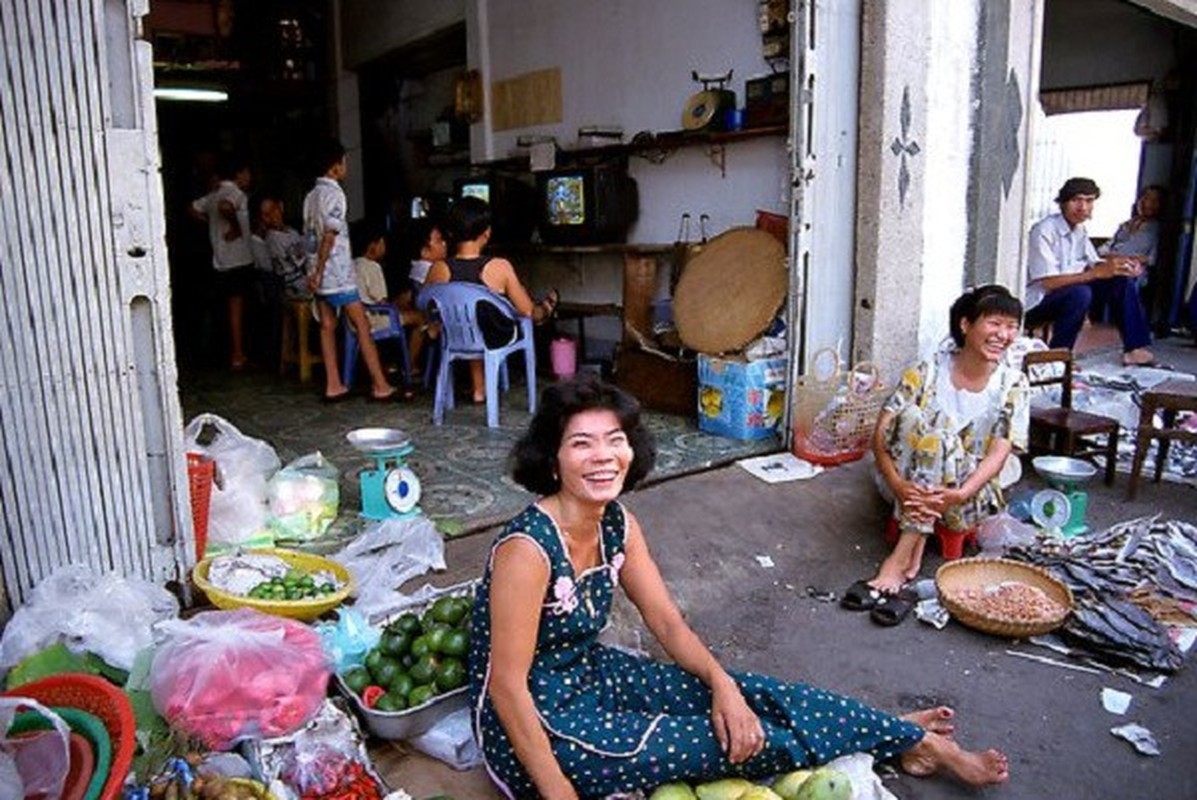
(737,728)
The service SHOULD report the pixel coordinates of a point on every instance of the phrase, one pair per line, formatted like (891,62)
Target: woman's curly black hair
(534,457)
(982,301)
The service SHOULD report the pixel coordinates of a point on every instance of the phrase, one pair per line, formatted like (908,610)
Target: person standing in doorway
(225,209)
(330,274)
(1066,277)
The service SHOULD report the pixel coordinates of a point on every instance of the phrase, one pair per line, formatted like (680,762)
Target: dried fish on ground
(1127,580)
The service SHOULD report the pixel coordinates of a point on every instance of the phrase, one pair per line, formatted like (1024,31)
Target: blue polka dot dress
(618,722)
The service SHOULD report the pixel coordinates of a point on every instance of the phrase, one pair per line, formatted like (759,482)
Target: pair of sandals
(884,609)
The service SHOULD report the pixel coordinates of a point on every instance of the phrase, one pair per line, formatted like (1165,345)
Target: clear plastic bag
(109,615)
(303,498)
(387,555)
(451,740)
(237,515)
(34,764)
(226,675)
(1002,531)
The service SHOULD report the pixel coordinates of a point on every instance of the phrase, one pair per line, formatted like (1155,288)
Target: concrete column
(944,96)
(890,188)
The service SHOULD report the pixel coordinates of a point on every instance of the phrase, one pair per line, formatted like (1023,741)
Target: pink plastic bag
(228,675)
(34,765)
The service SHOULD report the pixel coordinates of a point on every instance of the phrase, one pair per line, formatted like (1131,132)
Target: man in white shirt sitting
(1065,277)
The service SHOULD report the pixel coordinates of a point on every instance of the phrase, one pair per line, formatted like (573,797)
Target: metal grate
(89,423)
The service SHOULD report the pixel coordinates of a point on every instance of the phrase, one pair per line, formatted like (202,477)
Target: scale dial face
(1050,509)
(401,488)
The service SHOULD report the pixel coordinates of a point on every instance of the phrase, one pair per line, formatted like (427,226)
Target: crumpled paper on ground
(1140,738)
(388,554)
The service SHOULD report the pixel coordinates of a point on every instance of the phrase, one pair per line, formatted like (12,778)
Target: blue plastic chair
(456,305)
(394,330)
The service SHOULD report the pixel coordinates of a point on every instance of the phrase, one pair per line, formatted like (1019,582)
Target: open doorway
(1118,88)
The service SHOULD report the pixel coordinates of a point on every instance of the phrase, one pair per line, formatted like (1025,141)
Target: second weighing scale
(1062,507)
(391,490)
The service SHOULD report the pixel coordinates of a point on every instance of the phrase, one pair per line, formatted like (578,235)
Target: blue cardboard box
(741,399)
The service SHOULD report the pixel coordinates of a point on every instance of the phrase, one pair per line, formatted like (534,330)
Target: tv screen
(565,200)
(512,204)
(480,190)
(591,204)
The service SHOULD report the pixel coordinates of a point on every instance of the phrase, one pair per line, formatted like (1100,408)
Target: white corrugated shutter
(90,435)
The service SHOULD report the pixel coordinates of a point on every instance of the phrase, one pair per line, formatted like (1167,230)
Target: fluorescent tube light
(190,94)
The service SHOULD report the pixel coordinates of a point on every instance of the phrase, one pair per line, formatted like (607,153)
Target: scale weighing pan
(377,440)
(1064,471)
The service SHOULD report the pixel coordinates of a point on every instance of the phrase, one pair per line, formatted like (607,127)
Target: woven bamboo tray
(969,573)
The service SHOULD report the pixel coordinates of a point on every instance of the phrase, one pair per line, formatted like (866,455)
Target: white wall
(628,63)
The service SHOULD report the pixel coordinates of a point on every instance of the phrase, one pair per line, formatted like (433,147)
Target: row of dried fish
(1128,580)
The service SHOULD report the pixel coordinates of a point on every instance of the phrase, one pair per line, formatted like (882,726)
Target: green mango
(760,793)
(825,784)
(725,789)
(673,791)
(787,785)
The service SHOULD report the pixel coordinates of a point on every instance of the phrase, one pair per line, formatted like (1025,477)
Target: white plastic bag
(237,514)
(1002,531)
(387,555)
(108,615)
(34,765)
(303,497)
(451,740)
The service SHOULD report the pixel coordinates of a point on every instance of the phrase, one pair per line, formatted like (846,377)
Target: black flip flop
(860,597)
(891,609)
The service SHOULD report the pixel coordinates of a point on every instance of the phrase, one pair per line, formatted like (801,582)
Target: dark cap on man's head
(1074,186)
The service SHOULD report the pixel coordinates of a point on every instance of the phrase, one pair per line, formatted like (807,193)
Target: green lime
(307,580)
(421,647)
(401,685)
(387,669)
(408,623)
(394,643)
(450,675)
(293,574)
(448,611)
(456,643)
(427,621)
(436,638)
(420,695)
(390,702)
(424,670)
(356,678)
(407,659)
(373,659)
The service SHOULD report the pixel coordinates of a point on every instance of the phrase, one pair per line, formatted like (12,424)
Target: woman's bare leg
(328,348)
(892,574)
(916,559)
(936,753)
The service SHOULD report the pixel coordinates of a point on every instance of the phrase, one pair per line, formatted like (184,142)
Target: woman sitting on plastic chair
(469,230)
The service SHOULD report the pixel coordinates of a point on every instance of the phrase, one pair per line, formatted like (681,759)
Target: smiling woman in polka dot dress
(560,716)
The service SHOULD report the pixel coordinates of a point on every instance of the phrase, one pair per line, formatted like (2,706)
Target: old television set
(589,204)
(512,204)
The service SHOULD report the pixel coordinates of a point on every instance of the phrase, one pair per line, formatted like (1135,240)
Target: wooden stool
(1169,397)
(296,345)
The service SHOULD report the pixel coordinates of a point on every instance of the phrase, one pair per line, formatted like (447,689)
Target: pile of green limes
(417,658)
(295,585)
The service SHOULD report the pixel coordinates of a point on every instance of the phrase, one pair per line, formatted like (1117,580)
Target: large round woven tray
(965,573)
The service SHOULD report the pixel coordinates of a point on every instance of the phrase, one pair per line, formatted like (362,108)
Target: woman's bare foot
(936,720)
(936,753)
(1138,357)
(892,574)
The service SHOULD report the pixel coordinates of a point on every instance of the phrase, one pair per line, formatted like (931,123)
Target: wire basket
(835,410)
(201,471)
(955,577)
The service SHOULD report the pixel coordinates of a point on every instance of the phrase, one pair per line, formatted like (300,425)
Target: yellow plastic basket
(306,610)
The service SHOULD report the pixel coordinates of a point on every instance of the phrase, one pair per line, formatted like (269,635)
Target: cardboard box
(741,399)
(659,383)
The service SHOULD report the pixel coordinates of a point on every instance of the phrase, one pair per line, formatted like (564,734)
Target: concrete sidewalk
(706,532)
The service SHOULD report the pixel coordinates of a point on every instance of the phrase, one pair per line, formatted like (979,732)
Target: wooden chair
(1062,430)
(297,327)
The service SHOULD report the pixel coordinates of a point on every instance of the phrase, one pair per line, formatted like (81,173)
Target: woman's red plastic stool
(951,543)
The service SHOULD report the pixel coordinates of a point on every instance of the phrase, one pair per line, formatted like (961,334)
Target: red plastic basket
(200,472)
(100,698)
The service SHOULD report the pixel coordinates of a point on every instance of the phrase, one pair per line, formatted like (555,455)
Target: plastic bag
(226,675)
(451,740)
(1002,531)
(108,615)
(35,764)
(303,497)
(237,514)
(349,639)
(387,555)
